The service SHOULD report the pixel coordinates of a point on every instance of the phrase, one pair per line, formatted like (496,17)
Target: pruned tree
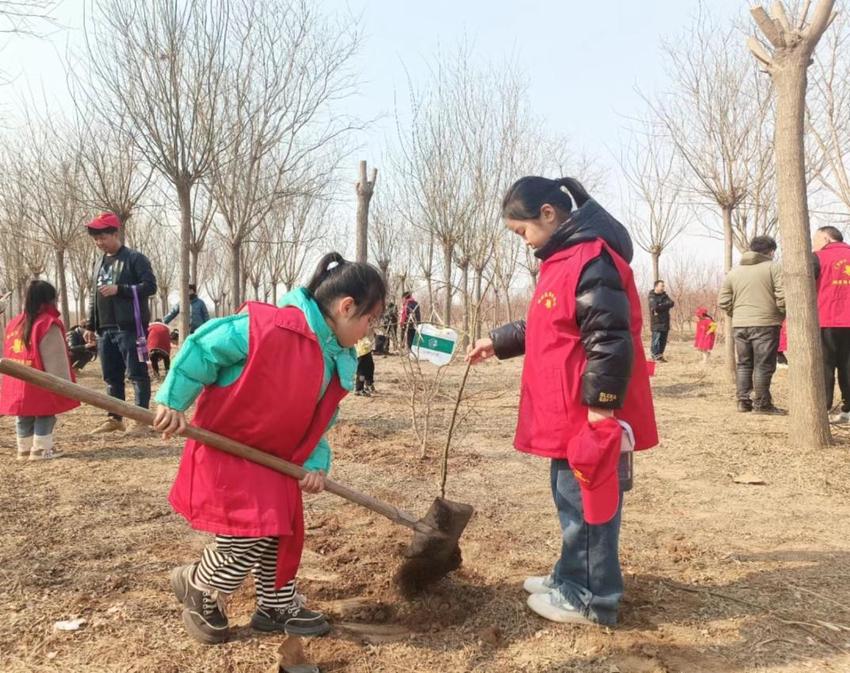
(365,188)
(155,234)
(785,52)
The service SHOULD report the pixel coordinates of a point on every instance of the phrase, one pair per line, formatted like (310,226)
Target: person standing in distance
(660,305)
(112,316)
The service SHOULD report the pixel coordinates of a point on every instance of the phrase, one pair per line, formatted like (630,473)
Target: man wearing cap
(112,314)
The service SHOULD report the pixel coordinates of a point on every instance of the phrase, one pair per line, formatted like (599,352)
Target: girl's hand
(169,421)
(479,351)
(313,482)
(597,415)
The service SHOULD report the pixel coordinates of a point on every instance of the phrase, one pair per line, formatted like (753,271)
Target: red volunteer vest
(834,285)
(23,399)
(550,408)
(159,337)
(704,339)
(783,337)
(273,406)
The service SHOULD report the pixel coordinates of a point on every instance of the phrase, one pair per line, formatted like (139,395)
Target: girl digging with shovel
(271,378)
(585,389)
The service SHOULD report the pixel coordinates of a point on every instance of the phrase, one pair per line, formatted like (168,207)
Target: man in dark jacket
(198,312)
(112,319)
(659,319)
(411,316)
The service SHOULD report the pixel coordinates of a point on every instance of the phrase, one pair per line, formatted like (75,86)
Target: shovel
(434,551)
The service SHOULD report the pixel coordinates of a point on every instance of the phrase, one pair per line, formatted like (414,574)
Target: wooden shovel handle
(80,393)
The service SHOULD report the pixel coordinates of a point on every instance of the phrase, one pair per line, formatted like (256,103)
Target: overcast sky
(584,61)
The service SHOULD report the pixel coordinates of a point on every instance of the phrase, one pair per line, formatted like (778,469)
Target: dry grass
(720,577)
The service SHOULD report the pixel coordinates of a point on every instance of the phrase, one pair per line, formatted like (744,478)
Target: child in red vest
(159,344)
(271,378)
(36,337)
(706,333)
(585,395)
(781,357)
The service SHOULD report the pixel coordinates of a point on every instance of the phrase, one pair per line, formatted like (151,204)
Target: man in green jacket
(754,298)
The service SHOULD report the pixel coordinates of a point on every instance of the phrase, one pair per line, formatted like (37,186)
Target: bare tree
(82,256)
(293,69)
(650,167)
(713,116)
(155,235)
(163,63)
(786,53)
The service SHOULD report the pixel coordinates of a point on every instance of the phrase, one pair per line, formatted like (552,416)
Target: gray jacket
(752,292)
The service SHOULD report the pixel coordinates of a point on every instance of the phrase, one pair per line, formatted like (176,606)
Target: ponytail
(526,197)
(335,277)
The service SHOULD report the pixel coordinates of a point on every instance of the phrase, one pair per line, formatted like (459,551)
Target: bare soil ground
(721,577)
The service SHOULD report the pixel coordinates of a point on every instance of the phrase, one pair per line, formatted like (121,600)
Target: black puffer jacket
(602,306)
(133,268)
(659,311)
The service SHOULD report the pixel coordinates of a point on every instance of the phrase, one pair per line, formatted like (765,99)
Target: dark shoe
(203,614)
(744,407)
(769,411)
(294,620)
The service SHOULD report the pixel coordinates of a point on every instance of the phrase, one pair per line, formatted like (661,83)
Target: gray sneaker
(539,584)
(203,611)
(556,608)
(293,619)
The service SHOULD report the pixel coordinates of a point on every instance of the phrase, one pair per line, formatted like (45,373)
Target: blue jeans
(658,343)
(27,426)
(117,352)
(588,572)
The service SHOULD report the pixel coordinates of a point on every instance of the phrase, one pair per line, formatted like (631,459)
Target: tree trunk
(196,253)
(235,274)
(163,300)
(467,317)
(63,284)
(448,248)
(365,189)
(184,197)
(808,423)
(274,292)
(656,274)
(728,337)
(479,296)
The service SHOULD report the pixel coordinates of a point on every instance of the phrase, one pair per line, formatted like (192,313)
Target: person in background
(753,296)
(411,317)
(159,344)
(122,279)
(81,352)
(832,270)
(198,313)
(781,357)
(365,385)
(35,338)
(706,333)
(660,305)
(390,324)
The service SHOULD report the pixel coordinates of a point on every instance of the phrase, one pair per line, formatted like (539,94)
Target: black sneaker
(744,407)
(769,410)
(203,615)
(294,620)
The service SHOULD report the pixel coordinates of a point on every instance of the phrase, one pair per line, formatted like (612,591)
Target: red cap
(105,221)
(594,454)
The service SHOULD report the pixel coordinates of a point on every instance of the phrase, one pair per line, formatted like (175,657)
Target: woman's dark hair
(39,293)
(335,277)
(526,197)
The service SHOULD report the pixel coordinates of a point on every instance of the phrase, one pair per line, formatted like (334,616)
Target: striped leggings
(226,563)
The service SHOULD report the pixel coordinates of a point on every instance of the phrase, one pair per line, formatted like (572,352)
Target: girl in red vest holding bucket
(706,333)
(585,400)
(36,337)
(271,378)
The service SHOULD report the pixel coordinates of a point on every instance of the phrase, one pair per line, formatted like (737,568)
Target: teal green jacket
(216,353)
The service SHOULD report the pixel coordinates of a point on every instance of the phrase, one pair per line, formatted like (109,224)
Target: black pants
(158,356)
(836,355)
(756,349)
(117,352)
(409,335)
(365,372)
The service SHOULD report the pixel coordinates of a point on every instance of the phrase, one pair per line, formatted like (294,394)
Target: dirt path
(720,576)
